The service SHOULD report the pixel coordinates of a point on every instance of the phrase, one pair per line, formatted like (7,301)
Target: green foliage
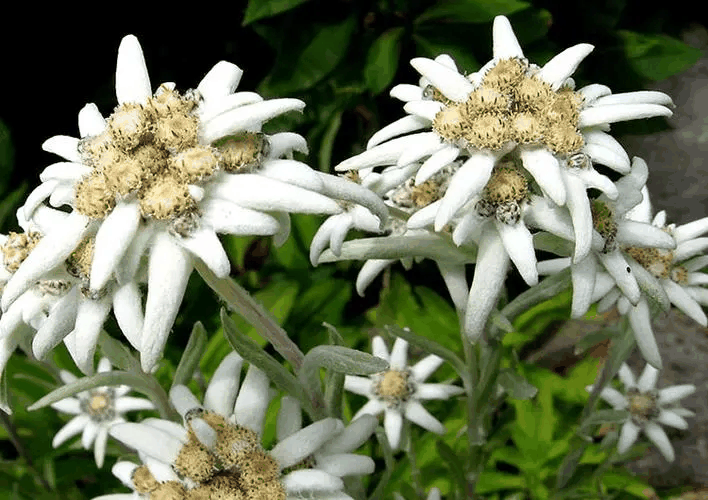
(466,11)
(7,155)
(260,9)
(657,56)
(382,60)
(313,61)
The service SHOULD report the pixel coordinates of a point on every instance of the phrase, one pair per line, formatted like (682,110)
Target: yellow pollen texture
(505,184)
(165,198)
(655,260)
(147,151)
(143,480)
(603,219)
(394,385)
(642,406)
(242,153)
(98,402)
(236,468)
(16,249)
(512,105)
(79,262)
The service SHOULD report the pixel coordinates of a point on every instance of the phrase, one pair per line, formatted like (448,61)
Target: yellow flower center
(151,151)
(603,219)
(99,405)
(237,467)
(642,406)
(504,194)
(16,249)
(512,105)
(394,386)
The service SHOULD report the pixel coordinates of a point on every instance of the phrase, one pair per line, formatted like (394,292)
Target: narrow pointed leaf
(189,361)
(254,354)
(118,354)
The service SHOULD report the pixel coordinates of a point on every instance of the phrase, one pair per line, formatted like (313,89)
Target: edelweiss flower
(96,411)
(676,271)
(648,408)
(59,305)
(398,391)
(406,202)
(167,172)
(217,452)
(511,107)
(614,237)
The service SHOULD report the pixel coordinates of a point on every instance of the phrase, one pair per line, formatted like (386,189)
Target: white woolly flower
(648,407)
(217,452)
(609,274)
(58,305)
(398,391)
(677,270)
(163,175)
(509,106)
(96,411)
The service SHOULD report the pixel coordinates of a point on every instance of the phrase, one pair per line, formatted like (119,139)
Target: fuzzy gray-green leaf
(189,361)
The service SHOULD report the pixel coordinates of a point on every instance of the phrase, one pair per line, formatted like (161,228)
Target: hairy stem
(239,300)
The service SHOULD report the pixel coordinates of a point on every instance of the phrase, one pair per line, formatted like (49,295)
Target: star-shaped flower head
(398,391)
(399,240)
(609,274)
(59,304)
(648,407)
(217,452)
(95,412)
(510,107)
(164,174)
(676,271)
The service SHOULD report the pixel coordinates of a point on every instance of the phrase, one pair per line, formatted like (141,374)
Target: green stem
(416,477)
(546,289)
(469,383)
(241,301)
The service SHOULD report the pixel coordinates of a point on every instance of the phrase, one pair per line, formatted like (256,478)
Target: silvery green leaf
(649,284)
(610,439)
(515,385)
(606,417)
(431,347)
(118,353)
(4,393)
(189,361)
(554,244)
(592,339)
(136,381)
(337,359)
(498,320)
(343,360)
(620,349)
(254,354)
(546,289)
(431,245)
(335,338)
(334,388)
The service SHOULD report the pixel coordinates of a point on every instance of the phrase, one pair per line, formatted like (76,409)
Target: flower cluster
(149,188)
(498,163)
(217,452)
(486,168)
